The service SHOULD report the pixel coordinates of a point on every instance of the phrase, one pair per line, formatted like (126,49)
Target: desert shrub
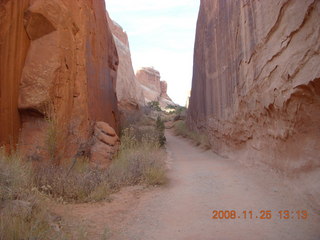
(171,107)
(175,109)
(15,177)
(136,159)
(130,118)
(155,175)
(146,121)
(51,139)
(180,128)
(73,182)
(154,129)
(23,214)
(154,105)
(160,131)
(140,161)
(17,224)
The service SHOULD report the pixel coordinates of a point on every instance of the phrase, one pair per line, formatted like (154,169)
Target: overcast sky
(161,34)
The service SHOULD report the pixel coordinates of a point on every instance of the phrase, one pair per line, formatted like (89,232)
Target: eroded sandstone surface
(153,88)
(14,44)
(256,83)
(105,145)
(58,71)
(129,90)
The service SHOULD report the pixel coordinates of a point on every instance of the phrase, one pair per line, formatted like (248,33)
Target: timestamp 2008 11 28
(260,214)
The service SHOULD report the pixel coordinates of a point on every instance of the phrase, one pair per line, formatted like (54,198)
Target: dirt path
(201,182)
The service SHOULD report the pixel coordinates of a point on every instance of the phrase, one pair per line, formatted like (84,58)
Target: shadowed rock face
(256,80)
(14,44)
(153,88)
(58,61)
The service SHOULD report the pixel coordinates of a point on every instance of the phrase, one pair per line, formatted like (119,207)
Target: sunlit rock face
(256,80)
(153,88)
(58,72)
(129,91)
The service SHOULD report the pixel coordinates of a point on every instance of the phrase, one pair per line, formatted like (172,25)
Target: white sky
(161,34)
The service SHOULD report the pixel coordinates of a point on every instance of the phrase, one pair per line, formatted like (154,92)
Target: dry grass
(82,183)
(140,160)
(181,129)
(23,213)
(15,177)
(25,190)
(51,139)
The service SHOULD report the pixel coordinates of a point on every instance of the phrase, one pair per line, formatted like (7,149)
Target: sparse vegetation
(51,139)
(160,131)
(176,109)
(23,213)
(140,160)
(180,128)
(154,105)
(25,189)
(82,183)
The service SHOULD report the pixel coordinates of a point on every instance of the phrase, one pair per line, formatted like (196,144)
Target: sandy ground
(200,182)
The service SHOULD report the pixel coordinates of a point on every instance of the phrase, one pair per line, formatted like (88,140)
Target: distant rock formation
(57,75)
(256,81)
(153,88)
(129,91)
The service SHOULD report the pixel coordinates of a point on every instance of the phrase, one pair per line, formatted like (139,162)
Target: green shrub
(160,131)
(176,109)
(154,105)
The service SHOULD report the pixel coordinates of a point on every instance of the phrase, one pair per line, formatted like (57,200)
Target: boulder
(105,145)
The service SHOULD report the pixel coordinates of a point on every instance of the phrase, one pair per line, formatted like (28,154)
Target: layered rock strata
(129,91)
(105,145)
(153,88)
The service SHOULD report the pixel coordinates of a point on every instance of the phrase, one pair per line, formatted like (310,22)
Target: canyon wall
(129,91)
(58,72)
(14,44)
(153,88)
(256,82)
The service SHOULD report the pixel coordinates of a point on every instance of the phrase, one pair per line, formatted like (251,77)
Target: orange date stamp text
(260,214)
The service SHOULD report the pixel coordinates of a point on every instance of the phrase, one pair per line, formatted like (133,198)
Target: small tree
(160,131)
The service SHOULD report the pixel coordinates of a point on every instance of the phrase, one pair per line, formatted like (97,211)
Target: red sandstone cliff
(153,88)
(256,81)
(129,91)
(58,62)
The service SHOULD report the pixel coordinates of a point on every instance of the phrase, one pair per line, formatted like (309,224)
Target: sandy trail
(201,182)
